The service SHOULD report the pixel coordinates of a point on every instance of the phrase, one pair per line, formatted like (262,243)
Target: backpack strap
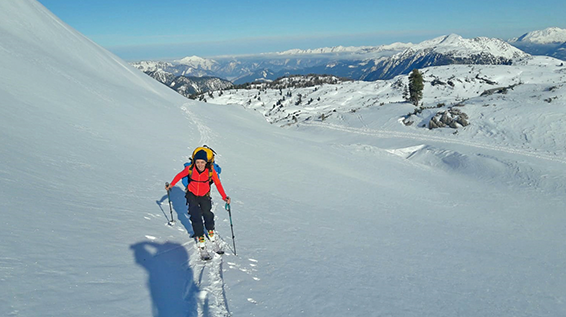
(210,181)
(209,164)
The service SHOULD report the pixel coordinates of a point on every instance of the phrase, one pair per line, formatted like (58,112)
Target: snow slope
(86,143)
(532,94)
(363,217)
(457,46)
(546,36)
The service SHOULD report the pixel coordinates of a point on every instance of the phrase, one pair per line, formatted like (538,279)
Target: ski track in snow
(208,278)
(428,138)
(204,131)
(207,275)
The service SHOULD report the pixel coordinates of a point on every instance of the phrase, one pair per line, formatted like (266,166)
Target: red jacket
(199,183)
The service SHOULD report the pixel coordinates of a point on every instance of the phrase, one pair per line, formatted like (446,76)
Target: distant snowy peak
(457,46)
(151,66)
(324,50)
(445,50)
(348,49)
(546,36)
(198,62)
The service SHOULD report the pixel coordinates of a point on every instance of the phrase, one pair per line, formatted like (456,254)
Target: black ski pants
(200,208)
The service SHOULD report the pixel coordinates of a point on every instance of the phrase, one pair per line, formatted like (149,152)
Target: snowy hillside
(546,36)
(188,86)
(457,46)
(445,50)
(549,42)
(539,79)
(358,215)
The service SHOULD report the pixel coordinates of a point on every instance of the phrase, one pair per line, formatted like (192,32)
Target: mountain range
(368,62)
(449,92)
(549,42)
(189,85)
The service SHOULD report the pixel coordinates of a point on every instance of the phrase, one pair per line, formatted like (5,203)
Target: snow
(345,51)
(546,36)
(357,215)
(460,47)
(197,62)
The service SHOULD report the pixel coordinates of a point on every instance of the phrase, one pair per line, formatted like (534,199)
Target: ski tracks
(207,275)
(204,131)
(364,125)
(208,278)
(428,138)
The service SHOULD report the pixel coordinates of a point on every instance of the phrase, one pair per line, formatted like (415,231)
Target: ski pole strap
(227,207)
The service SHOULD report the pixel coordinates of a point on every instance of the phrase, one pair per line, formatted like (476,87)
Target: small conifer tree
(416,85)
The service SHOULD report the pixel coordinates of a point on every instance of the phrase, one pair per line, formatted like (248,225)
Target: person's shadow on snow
(179,204)
(170,282)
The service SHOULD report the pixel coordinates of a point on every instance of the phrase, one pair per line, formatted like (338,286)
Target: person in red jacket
(198,195)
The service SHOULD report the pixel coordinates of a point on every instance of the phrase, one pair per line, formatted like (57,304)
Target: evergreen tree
(416,85)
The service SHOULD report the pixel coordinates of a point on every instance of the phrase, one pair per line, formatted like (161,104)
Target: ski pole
(227,206)
(170,208)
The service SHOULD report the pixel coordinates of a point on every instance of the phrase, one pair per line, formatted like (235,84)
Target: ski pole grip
(167,185)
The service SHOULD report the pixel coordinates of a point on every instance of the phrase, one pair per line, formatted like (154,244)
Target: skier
(201,175)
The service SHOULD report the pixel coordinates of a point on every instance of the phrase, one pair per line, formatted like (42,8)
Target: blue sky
(170,29)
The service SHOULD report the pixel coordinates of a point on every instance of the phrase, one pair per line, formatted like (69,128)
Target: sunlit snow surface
(356,215)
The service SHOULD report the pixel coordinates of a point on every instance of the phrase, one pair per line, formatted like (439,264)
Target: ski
(201,247)
(216,247)
(204,255)
(214,240)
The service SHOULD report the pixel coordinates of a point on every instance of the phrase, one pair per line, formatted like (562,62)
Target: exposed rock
(453,118)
